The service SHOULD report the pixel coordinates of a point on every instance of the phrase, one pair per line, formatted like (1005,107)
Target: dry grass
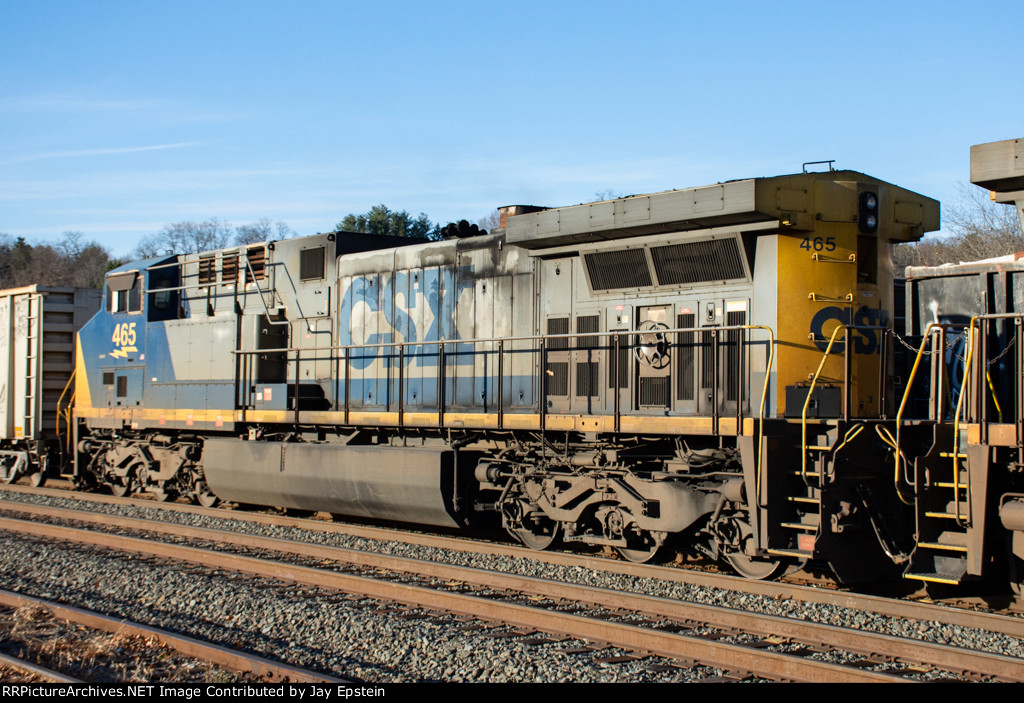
(32,634)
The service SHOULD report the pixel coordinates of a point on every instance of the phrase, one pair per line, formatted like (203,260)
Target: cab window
(124,292)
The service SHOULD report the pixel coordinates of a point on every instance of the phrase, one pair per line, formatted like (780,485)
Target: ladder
(33,334)
(943,520)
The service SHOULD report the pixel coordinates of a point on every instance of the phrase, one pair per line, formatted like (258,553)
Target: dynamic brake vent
(698,262)
(618,269)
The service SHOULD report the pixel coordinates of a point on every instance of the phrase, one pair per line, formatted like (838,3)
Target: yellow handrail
(71,400)
(807,401)
(956,424)
(906,392)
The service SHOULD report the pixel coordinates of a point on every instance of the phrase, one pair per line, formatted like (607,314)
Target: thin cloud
(76,103)
(97,152)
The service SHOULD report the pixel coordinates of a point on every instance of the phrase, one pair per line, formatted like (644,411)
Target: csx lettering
(395,297)
(865,341)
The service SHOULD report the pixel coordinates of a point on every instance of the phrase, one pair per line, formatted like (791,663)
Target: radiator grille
(618,269)
(696,262)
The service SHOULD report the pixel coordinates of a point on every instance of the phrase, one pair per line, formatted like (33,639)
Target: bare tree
(259,231)
(263,230)
(606,194)
(979,229)
(491,222)
(187,237)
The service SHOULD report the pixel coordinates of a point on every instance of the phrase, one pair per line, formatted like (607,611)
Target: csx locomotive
(710,370)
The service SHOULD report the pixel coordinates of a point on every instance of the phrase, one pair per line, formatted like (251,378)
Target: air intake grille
(625,349)
(256,267)
(311,264)
(734,358)
(588,325)
(685,357)
(654,391)
(696,262)
(229,269)
(558,325)
(587,374)
(618,269)
(707,361)
(207,273)
(558,378)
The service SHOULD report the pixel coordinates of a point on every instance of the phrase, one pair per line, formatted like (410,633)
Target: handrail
(346,349)
(480,340)
(956,427)
(71,400)
(968,371)
(925,339)
(810,392)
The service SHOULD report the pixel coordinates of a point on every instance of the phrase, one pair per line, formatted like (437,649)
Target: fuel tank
(408,484)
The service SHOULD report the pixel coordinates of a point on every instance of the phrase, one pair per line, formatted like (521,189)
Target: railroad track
(744,644)
(471,549)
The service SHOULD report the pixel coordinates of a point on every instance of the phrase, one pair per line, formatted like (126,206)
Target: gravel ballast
(362,640)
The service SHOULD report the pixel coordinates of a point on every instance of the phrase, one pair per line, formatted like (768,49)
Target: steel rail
(1013,627)
(190,647)
(860,641)
(42,672)
(709,652)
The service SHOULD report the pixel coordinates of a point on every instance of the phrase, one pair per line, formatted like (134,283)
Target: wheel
(755,569)
(642,548)
(204,496)
(162,495)
(37,479)
(120,487)
(540,536)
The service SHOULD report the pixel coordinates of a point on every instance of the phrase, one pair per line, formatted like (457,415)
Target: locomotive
(709,370)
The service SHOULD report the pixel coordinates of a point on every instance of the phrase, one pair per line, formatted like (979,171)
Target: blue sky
(117,118)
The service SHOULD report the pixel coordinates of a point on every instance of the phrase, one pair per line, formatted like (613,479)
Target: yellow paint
(83,399)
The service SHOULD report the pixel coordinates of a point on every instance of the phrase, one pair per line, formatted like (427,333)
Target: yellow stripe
(510,421)
(930,579)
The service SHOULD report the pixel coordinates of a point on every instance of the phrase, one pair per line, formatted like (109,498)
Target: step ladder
(33,303)
(943,524)
(799,514)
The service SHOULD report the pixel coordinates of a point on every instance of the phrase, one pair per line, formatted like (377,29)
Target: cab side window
(124,292)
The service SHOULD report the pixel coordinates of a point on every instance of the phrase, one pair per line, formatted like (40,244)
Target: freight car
(38,325)
(704,369)
(966,379)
